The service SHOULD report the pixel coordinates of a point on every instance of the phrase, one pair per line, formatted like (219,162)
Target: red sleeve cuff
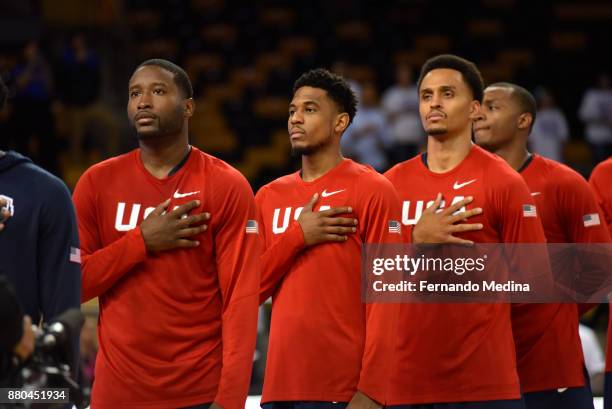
(137,244)
(294,238)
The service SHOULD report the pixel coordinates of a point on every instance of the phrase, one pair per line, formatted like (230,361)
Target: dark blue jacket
(39,247)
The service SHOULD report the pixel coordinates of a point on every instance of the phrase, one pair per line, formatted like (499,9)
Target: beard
(168,125)
(297,151)
(436,131)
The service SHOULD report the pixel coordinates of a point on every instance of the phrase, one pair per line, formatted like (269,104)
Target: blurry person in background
(400,103)
(32,121)
(367,139)
(596,113)
(594,360)
(343,69)
(79,84)
(89,348)
(550,130)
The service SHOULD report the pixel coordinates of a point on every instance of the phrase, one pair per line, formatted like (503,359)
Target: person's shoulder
(367,181)
(491,162)
(560,177)
(498,173)
(279,185)
(221,170)
(407,166)
(483,156)
(561,172)
(602,168)
(42,183)
(111,165)
(540,166)
(46,190)
(222,175)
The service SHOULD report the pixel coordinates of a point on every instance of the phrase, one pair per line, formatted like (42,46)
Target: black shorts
(608,391)
(304,405)
(570,398)
(489,404)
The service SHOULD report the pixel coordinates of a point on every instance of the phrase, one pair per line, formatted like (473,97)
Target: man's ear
(524,121)
(474,110)
(189,108)
(342,122)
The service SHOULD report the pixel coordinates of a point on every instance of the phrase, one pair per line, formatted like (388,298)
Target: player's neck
(319,163)
(160,157)
(444,154)
(515,154)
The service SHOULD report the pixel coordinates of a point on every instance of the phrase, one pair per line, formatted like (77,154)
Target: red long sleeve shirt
(461,352)
(176,328)
(601,183)
(549,352)
(325,344)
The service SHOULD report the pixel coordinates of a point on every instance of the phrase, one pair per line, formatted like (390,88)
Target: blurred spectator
(79,82)
(341,68)
(593,358)
(367,138)
(32,123)
(401,106)
(261,349)
(596,112)
(89,349)
(550,130)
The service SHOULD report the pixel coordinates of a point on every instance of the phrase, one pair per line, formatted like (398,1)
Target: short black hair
(337,88)
(181,79)
(469,71)
(3,94)
(526,100)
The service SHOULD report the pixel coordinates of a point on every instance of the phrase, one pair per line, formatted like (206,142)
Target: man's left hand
(25,347)
(4,213)
(362,401)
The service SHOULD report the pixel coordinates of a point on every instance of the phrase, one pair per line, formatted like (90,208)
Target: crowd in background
(57,117)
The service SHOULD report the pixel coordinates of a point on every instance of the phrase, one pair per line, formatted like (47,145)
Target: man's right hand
(438,227)
(321,227)
(165,231)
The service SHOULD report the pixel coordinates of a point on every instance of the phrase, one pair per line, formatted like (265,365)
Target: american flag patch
(252,227)
(529,211)
(75,255)
(591,220)
(395,227)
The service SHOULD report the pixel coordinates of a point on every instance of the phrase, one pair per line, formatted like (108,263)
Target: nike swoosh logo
(535,193)
(325,193)
(178,195)
(460,185)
